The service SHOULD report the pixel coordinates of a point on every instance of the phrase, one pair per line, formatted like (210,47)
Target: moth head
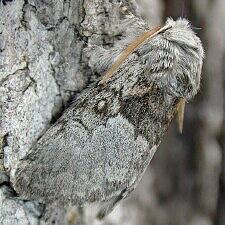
(181,32)
(175,59)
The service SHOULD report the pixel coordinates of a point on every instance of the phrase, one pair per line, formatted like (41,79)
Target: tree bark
(44,65)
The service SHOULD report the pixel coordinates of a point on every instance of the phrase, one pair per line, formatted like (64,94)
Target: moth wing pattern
(75,162)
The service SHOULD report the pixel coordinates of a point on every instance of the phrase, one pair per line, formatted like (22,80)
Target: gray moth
(98,150)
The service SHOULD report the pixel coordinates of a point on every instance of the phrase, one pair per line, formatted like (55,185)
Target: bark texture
(44,64)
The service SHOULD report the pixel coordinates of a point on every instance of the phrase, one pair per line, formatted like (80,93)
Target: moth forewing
(101,155)
(130,49)
(180,114)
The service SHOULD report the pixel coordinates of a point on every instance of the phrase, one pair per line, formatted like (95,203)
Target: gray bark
(43,67)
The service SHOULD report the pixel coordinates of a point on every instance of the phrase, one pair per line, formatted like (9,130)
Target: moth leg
(180,114)
(110,205)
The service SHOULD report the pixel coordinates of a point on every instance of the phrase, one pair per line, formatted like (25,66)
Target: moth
(98,150)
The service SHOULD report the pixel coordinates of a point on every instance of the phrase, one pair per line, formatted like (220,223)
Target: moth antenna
(183,7)
(180,114)
(130,49)
(196,28)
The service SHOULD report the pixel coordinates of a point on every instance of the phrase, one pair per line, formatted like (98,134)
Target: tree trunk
(44,65)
